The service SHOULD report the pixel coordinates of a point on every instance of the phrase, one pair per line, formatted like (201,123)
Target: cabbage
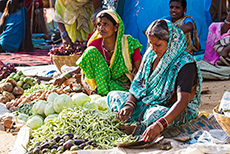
(94,97)
(22,116)
(62,101)
(50,117)
(39,107)
(90,105)
(49,109)
(102,104)
(51,97)
(80,98)
(35,121)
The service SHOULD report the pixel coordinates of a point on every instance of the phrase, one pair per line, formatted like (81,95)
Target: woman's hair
(159,29)
(2,5)
(183,2)
(11,7)
(95,13)
(106,15)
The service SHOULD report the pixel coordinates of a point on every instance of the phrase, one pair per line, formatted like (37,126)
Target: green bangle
(67,75)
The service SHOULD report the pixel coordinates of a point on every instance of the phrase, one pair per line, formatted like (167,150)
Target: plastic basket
(222,119)
(60,60)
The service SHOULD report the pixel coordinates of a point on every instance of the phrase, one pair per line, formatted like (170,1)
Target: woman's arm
(136,58)
(178,107)
(226,26)
(186,27)
(65,37)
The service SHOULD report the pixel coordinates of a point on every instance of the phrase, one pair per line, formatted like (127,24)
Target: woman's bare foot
(129,129)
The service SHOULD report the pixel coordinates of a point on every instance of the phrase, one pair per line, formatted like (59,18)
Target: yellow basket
(222,119)
(60,60)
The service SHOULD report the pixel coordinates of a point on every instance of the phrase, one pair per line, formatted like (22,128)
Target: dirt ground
(208,101)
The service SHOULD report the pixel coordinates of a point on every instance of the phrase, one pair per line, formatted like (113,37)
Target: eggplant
(36,150)
(89,142)
(54,147)
(94,144)
(67,134)
(81,146)
(46,145)
(45,150)
(78,141)
(57,138)
(74,148)
(67,145)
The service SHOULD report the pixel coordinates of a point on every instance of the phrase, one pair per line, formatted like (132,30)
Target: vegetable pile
(9,91)
(100,126)
(6,69)
(80,46)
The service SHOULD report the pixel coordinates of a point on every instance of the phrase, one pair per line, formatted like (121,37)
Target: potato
(18,91)
(4,99)
(12,81)
(9,95)
(7,86)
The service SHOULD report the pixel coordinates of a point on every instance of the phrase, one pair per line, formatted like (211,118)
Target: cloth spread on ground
(185,130)
(213,72)
(39,57)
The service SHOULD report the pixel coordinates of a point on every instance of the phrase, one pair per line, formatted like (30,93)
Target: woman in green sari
(166,89)
(111,57)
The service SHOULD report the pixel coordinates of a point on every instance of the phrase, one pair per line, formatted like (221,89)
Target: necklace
(103,47)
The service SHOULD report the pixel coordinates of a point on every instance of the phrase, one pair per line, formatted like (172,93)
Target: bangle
(129,104)
(67,75)
(164,122)
(161,126)
(64,34)
(132,102)
(227,22)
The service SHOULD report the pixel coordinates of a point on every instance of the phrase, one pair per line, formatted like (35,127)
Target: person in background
(217,51)
(177,10)
(110,59)
(14,28)
(36,14)
(73,19)
(93,21)
(166,89)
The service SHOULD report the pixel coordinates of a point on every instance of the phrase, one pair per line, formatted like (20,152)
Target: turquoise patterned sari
(153,91)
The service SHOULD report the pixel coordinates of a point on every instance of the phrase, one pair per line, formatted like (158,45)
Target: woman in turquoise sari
(166,89)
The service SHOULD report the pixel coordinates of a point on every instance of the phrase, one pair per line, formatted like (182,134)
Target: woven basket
(222,119)
(60,60)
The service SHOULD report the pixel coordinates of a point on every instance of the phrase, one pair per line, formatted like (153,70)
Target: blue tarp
(137,15)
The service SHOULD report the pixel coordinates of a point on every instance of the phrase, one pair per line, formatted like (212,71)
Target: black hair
(106,15)
(183,2)
(95,13)
(11,7)
(2,5)
(159,28)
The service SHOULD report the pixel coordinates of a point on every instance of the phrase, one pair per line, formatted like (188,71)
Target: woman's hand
(59,81)
(151,132)
(67,41)
(125,111)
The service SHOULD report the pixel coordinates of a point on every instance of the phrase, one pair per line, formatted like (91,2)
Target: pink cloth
(214,35)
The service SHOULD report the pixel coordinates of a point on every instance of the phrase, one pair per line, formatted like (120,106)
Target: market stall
(81,125)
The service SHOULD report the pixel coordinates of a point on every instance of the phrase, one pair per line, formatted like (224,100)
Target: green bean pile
(36,87)
(99,126)
(127,139)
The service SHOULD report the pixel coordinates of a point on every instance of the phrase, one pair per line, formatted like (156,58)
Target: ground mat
(38,57)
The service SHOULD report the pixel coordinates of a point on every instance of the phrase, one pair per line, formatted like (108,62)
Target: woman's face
(176,10)
(157,45)
(106,28)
